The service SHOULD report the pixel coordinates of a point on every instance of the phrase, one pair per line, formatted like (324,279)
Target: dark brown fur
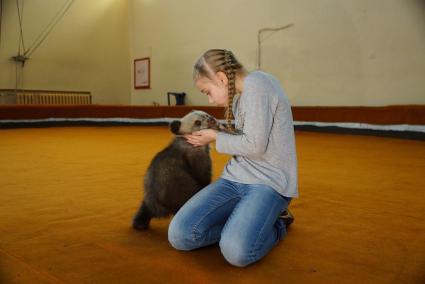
(177,172)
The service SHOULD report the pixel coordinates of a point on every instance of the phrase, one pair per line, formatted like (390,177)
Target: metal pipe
(259,39)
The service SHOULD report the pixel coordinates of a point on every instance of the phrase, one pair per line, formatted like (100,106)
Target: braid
(231,75)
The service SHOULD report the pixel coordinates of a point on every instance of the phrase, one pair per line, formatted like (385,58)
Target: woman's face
(215,89)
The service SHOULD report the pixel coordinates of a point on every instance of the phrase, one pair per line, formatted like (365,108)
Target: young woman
(245,211)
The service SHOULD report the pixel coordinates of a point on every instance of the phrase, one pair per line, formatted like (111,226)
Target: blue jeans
(243,218)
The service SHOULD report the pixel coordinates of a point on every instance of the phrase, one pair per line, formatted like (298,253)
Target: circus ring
(69,191)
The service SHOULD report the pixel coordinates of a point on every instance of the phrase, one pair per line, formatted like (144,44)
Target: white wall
(356,52)
(87,51)
(353,52)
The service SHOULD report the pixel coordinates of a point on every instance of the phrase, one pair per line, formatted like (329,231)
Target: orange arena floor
(68,194)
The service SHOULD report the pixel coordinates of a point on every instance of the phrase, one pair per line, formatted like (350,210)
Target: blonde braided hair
(220,60)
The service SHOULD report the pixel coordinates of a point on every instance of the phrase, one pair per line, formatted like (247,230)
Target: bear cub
(177,172)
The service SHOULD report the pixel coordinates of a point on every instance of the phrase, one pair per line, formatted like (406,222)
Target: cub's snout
(175,126)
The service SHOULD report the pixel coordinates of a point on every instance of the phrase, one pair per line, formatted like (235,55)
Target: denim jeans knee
(180,235)
(235,252)
(199,222)
(254,227)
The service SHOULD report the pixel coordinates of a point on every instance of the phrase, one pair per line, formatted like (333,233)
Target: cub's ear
(197,123)
(175,126)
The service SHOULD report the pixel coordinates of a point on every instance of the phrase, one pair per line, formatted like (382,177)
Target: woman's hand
(201,137)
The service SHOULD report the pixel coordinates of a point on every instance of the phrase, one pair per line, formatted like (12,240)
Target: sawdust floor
(68,194)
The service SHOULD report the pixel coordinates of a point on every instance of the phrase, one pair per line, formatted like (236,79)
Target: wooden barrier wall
(404,114)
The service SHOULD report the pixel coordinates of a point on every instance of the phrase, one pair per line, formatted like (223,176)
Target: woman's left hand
(201,137)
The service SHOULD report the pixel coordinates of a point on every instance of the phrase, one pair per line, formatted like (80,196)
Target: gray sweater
(265,151)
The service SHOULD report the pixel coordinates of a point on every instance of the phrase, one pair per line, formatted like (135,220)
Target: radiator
(47,98)
(44,97)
